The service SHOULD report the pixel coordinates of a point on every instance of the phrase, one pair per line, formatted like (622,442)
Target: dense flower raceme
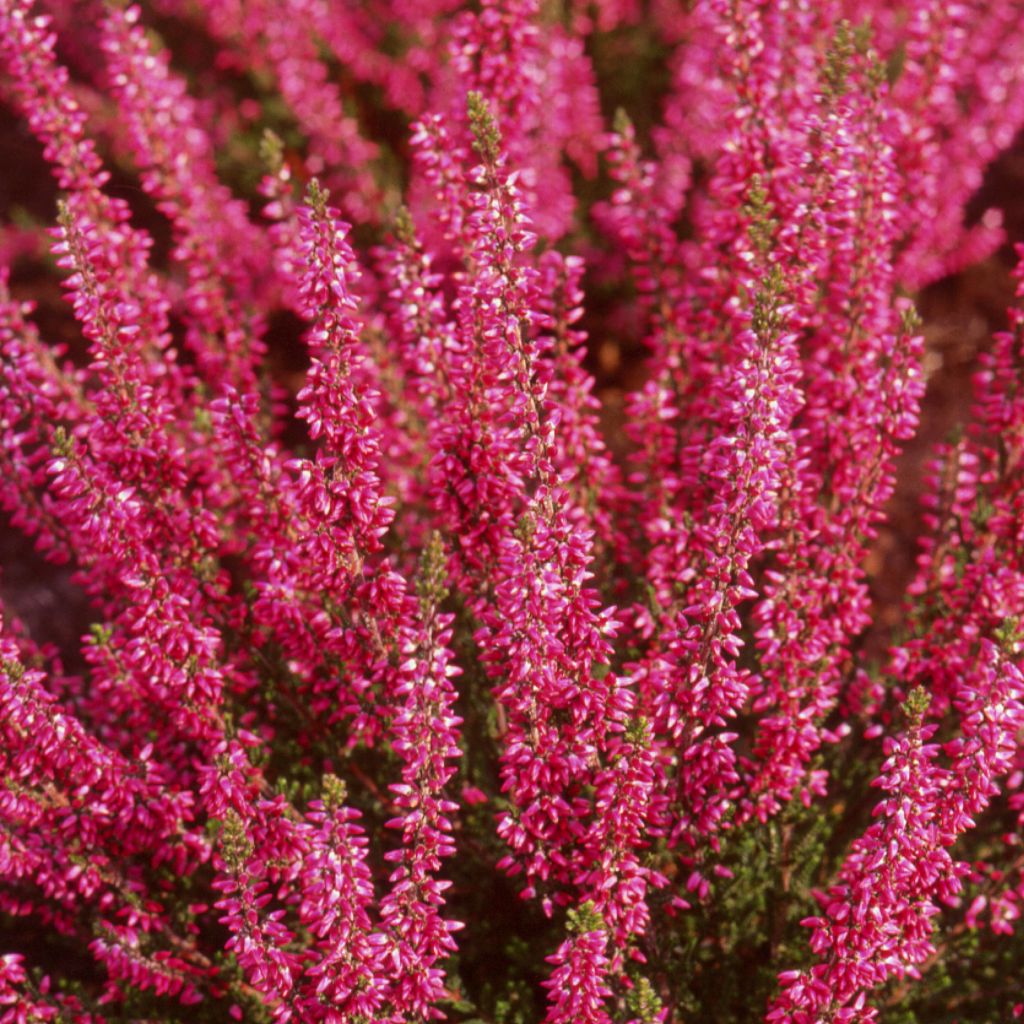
(424,676)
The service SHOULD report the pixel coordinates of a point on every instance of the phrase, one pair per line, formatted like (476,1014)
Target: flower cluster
(470,498)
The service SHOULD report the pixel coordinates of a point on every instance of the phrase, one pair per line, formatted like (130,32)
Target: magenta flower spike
(533,580)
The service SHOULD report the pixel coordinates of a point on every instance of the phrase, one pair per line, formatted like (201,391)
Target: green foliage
(837,60)
(486,135)
(720,959)
(973,980)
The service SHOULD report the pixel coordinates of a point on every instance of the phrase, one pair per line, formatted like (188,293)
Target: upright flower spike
(349,974)
(746,468)
(315,528)
(279,188)
(439,154)
(424,734)
(280,38)
(310,597)
(36,395)
(991,714)
(125,501)
(877,922)
(690,681)
(862,367)
(420,319)
(702,384)
(361,615)
(336,401)
(216,244)
(523,561)
(489,447)
(42,90)
(578,992)
(257,938)
(140,396)
(423,726)
(961,93)
(544,95)
(614,880)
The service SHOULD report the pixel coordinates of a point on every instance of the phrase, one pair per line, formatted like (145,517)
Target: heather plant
(460,472)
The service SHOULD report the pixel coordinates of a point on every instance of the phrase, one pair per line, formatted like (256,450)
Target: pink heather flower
(337,401)
(492,478)
(37,394)
(258,937)
(219,248)
(22,1002)
(577,991)
(870,377)
(961,96)
(315,526)
(877,921)
(711,499)
(526,556)
(424,731)
(504,54)
(279,38)
(287,586)
(348,974)
(337,509)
